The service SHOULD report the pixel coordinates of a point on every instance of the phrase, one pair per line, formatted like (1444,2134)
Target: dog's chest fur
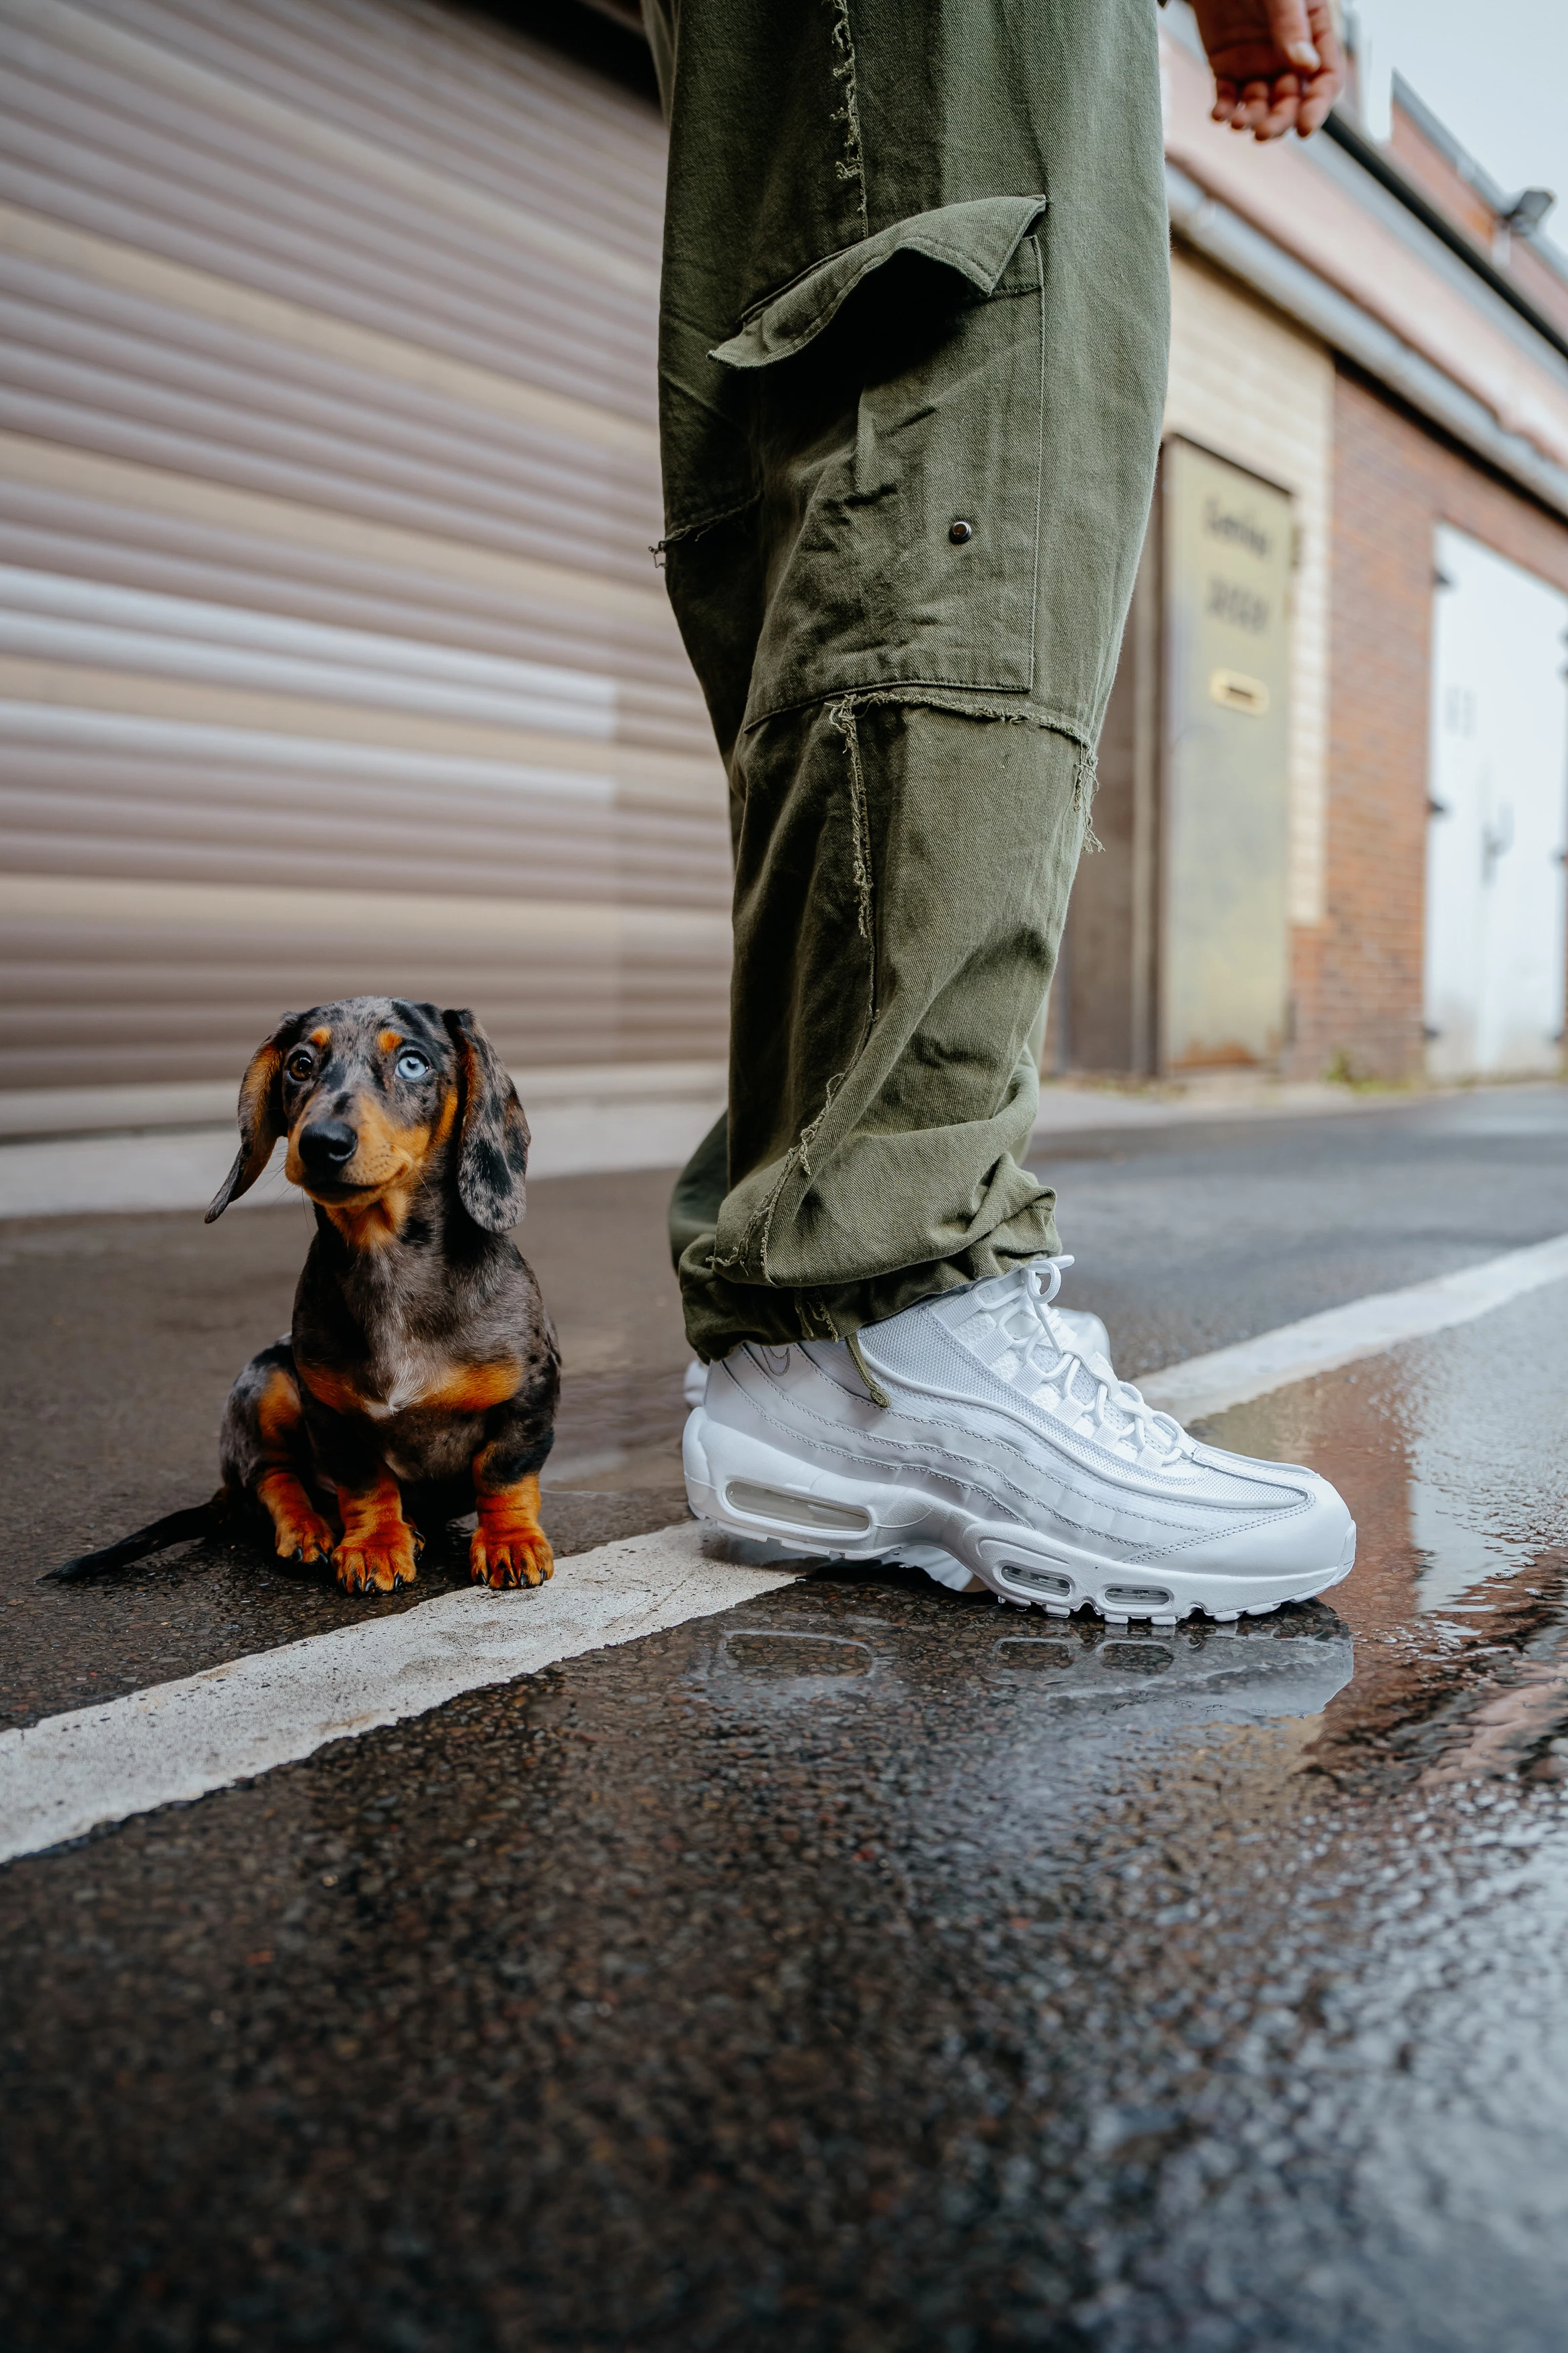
(420,1343)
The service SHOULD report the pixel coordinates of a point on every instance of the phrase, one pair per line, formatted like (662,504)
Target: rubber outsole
(762,1493)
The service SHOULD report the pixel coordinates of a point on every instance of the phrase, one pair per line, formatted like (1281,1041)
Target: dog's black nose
(326,1145)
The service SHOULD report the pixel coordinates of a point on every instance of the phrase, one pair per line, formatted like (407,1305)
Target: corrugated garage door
(331,653)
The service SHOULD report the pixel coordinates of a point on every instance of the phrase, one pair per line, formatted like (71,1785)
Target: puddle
(776,1658)
(1453,1454)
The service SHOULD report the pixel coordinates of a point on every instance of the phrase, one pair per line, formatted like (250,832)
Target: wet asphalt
(868,1967)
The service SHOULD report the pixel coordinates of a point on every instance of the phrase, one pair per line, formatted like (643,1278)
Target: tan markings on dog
(322,1037)
(385,1172)
(379,1550)
(279,1413)
(387,1039)
(298,1530)
(331,1390)
(255,1089)
(370,1223)
(474,1388)
(462,1388)
(508,1545)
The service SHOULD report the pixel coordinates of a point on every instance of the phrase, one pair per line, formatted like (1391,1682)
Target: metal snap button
(961,532)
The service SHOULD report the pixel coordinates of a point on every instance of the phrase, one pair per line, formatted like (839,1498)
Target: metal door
(332,656)
(1224,971)
(1499,817)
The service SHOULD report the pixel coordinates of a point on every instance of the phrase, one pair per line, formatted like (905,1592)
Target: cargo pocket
(897,429)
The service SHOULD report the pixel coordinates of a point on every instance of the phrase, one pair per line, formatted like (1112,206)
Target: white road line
(179,1740)
(1342,1335)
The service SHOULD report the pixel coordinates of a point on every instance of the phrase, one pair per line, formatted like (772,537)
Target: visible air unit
(797,1511)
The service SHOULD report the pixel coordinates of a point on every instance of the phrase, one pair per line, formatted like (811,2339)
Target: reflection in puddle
(1131,1659)
(1451,1465)
(1021,1651)
(771,1657)
(1291,1665)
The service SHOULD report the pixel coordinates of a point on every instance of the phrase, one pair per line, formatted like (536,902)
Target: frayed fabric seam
(686,531)
(841,715)
(1086,783)
(851,166)
(754,1240)
(935,697)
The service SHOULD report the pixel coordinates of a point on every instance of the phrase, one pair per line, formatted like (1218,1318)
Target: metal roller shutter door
(331,652)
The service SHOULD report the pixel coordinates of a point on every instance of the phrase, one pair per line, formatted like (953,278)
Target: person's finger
(1278,119)
(1225,99)
(1284,105)
(1254,106)
(1290,23)
(1318,104)
(1322,88)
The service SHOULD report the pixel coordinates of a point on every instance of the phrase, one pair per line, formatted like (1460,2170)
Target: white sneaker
(1010,1447)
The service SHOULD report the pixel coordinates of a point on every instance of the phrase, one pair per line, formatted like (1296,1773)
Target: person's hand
(1277,64)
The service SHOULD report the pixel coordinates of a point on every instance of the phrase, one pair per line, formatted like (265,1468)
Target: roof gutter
(1212,230)
(1374,160)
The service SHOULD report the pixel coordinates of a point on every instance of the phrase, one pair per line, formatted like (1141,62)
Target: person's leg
(905,506)
(909,412)
(903,876)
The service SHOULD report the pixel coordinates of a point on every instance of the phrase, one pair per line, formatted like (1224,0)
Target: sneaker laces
(1117,1413)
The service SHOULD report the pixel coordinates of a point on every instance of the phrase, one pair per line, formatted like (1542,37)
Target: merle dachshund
(421,1373)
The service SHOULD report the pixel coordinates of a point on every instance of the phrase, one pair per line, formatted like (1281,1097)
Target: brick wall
(1357,977)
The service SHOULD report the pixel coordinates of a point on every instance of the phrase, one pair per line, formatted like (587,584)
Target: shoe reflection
(1289,1665)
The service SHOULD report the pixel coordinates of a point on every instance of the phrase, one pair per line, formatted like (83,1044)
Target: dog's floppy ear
(260,1114)
(492,1140)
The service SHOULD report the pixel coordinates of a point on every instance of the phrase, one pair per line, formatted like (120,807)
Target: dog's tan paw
(299,1531)
(306,1538)
(379,1563)
(499,1556)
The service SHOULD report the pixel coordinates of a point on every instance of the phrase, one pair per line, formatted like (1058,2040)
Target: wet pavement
(867,1967)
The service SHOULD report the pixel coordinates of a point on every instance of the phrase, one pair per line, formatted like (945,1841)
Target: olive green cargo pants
(912,364)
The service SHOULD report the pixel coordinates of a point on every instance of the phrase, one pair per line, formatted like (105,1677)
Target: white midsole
(756,1490)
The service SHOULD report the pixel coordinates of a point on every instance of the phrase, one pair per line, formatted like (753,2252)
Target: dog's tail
(175,1527)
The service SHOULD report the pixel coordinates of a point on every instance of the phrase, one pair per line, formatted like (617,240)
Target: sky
(1495,73)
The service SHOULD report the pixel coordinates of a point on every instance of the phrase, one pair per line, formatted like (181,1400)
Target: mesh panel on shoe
(918,1347)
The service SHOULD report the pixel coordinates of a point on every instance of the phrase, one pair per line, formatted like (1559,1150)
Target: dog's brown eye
(300,1066)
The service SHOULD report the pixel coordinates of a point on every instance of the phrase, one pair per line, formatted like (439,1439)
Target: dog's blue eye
(411,1065)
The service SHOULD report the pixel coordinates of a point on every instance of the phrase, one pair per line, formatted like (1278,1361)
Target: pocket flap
(978,239)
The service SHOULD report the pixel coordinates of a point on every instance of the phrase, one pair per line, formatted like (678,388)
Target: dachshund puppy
(421,1373)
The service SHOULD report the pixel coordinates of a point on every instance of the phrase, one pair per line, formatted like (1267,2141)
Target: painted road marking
(1343,1336)
(68,1773)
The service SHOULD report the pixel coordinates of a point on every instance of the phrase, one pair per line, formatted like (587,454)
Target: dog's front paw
(515,1554)
(378,1560)
(308,1541)
(300,1533)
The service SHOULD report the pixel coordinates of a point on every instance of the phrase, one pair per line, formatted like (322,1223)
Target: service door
(1223,972)
(1499,817)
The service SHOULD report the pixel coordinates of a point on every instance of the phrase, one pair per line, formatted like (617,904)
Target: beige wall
(332,653)
(1252,388)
